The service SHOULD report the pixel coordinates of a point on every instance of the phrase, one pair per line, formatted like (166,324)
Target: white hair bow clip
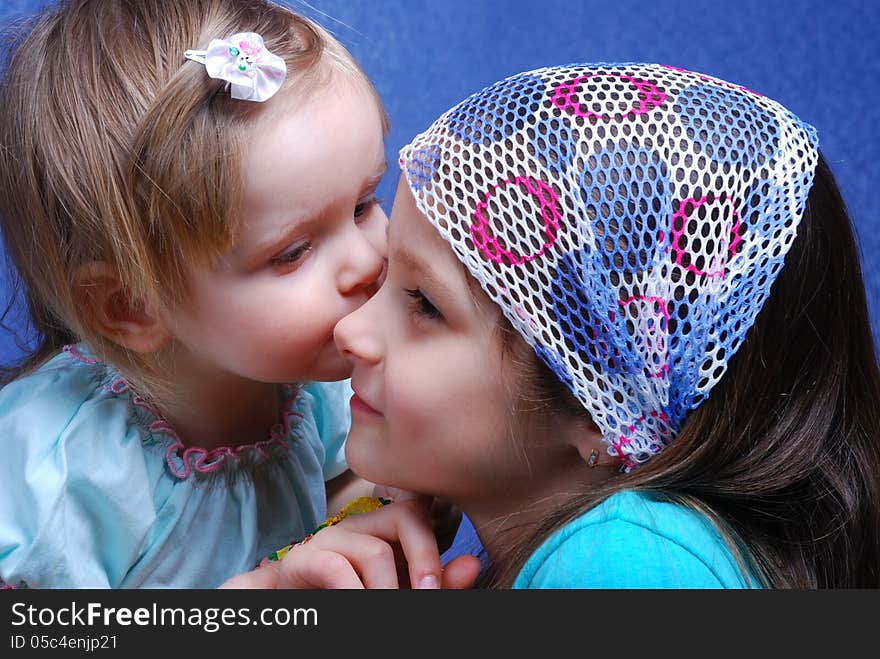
(251,71)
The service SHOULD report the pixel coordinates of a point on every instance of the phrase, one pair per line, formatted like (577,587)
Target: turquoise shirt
(96,491)
(631,541)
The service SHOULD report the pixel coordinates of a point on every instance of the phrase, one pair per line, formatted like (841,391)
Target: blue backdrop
(821,59)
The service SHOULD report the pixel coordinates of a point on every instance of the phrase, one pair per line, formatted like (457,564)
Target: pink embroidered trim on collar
(196,458)
(9,586)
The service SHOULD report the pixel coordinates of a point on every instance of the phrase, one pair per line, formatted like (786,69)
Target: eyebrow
(296,224)
(413,263)
(378,176)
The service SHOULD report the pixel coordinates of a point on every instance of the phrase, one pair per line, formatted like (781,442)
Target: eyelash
(422,306)
(293,256)
(361,209)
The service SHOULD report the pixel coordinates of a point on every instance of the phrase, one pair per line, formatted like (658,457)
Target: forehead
(411,236)
(307,153)
(416,245)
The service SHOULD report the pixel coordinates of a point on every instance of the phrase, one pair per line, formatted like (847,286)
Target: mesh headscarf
(628,219)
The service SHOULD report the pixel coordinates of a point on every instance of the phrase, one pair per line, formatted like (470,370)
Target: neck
(506,521)
(213,408)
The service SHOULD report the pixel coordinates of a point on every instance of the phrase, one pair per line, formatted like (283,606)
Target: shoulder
(325,419)
(42,403)
(324,399)
(633,541)
(66,450)
(325,406)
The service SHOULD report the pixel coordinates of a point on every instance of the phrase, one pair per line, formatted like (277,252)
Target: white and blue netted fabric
(628,219)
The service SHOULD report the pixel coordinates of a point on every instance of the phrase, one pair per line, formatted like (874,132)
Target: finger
(419,544)
(265,578)
(406,523)
(371,557)
(461,572)
(304,567)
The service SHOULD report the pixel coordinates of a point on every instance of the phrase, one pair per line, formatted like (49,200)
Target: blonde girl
(187,192)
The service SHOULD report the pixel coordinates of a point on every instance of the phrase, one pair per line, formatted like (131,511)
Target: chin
(332,375)
(332,369)
(361,453)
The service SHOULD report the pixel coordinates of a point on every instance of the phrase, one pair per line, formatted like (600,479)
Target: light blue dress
(96,491)
(632,541)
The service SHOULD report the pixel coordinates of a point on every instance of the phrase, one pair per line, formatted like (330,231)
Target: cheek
(278,311)
(272,325)
(449,416)
(417,403)
(219,307)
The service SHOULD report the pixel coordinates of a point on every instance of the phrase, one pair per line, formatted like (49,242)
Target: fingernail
(429,581)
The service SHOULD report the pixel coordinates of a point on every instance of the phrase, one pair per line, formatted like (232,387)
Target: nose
(363,266)
(358,335)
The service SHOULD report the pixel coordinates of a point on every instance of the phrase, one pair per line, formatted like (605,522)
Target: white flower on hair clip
(250,70)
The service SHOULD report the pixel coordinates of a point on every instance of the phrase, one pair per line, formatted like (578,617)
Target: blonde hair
(115,148)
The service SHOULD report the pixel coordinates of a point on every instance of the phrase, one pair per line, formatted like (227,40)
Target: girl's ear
(112,314)
(589,444)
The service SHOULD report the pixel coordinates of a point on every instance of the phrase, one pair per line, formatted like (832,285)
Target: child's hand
(393,547)
(445,516)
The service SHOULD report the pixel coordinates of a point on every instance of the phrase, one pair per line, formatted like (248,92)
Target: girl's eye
(363,207)
(294,255)
(422,306)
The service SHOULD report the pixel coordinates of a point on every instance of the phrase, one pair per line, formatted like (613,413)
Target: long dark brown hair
(784,455)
